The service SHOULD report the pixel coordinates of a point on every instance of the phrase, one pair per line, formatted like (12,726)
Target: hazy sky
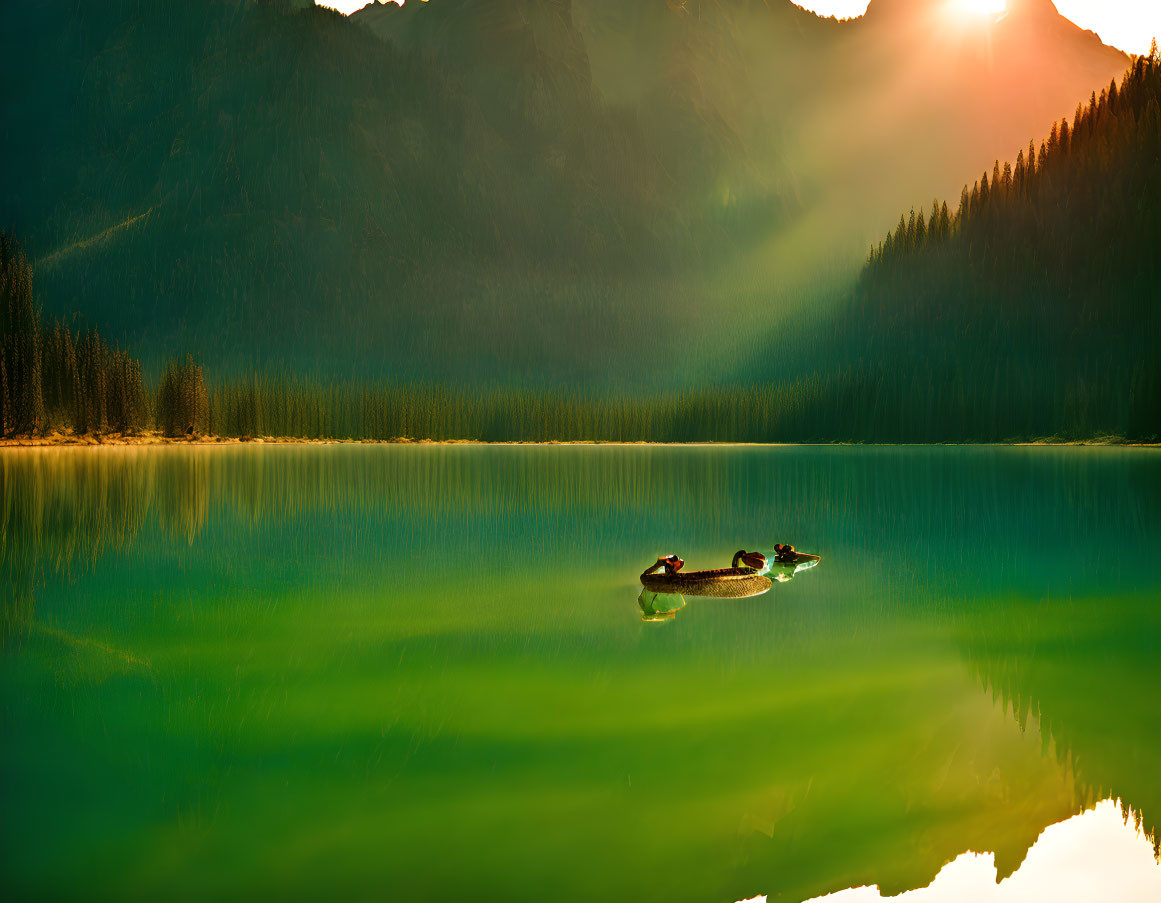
(1128,24)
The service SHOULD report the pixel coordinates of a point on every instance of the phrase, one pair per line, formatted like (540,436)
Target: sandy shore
(65,440)
(54,440)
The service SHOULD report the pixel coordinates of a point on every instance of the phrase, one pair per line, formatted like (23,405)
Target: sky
(1127,24)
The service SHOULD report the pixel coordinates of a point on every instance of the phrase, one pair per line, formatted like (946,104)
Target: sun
(981,7)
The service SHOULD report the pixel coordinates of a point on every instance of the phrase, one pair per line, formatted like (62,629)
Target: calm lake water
(421,673)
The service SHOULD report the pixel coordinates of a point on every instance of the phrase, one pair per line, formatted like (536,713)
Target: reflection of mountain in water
(1076,670)
(1097,855)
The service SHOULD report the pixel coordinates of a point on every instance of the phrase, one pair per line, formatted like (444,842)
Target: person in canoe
(743,577)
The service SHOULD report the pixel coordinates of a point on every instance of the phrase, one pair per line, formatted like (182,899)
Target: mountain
(265,183)
(868,114)
(493,191)
(759,102)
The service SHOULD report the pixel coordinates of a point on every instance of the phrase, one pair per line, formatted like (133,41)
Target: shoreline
(155,440)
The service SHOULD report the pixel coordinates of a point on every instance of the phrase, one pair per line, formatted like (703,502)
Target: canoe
(723,583)
(735,582)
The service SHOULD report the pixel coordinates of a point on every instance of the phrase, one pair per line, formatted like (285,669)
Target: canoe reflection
(781,573)
(659,606)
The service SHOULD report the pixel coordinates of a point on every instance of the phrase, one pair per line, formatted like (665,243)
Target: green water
(421,673)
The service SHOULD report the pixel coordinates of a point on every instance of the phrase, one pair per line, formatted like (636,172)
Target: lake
(422,672)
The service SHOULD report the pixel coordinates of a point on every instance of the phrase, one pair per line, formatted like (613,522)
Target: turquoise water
(421,673)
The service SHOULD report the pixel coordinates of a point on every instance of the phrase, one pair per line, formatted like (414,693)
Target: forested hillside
(491,192)
(1034,306)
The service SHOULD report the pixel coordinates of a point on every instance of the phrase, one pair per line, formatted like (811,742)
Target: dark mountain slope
(279,179)
(483,196)
(526,65)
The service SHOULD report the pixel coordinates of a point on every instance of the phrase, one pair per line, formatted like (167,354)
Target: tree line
(57,377)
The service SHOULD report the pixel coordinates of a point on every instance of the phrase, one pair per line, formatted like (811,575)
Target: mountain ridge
(270,185)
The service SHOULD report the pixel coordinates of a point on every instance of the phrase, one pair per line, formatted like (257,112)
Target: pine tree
(52,361)
(126,394)
(1151,129)
(91,355)
(5,407)
(901,235)
(183,407)
(20,336)
(75,392)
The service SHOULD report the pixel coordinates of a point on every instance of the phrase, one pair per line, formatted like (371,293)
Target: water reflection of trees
(63,511)
(927,525)
(993,495)
(1084,674)
(75,504)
